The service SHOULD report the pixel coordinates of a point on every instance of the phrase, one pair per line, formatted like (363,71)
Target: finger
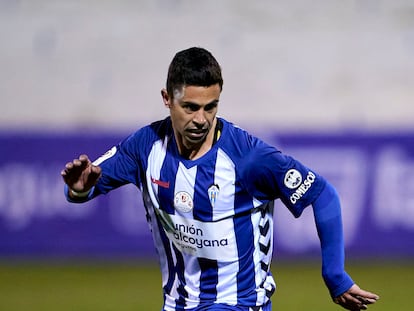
(365,297)
(68,168)
(355,290)
(72,170)
(68,165)
(369,295)
(352,298)
(77,162)
(366,294)
(84,158)
(365,300)
(349,302)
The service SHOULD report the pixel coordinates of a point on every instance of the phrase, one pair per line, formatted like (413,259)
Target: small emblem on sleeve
(293,179)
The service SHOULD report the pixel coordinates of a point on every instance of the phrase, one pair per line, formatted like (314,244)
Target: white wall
(287,64)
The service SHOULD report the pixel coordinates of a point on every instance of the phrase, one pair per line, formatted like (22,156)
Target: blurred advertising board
(373,173)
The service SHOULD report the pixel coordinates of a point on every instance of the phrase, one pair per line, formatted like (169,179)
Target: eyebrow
(215,101)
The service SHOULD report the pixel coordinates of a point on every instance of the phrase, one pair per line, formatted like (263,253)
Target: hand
(356,299)
(81,175)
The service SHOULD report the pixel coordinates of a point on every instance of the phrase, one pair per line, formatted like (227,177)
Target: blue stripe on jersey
(208,279)
(245,244)
(171,267)
(179,270)
(204,180)
(166,178)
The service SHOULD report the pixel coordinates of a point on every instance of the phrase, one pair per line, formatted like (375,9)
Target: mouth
(196,134)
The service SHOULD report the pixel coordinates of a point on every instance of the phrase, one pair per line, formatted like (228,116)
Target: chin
(191,142)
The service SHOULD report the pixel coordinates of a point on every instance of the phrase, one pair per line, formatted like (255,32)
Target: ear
(165,98)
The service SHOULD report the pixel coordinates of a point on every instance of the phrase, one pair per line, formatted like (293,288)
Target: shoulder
(238,140)
(160,128)
(155,131)
(146,136)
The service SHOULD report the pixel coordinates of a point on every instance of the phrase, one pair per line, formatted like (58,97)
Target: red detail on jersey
(164,184)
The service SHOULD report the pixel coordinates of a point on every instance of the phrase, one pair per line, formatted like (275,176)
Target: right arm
(118,166)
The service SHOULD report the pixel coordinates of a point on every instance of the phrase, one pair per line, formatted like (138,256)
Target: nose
(199,117)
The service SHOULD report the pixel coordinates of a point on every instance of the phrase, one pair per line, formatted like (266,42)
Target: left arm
(265,172)
(328,219)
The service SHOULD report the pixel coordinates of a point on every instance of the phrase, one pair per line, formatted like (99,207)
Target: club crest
(213,192)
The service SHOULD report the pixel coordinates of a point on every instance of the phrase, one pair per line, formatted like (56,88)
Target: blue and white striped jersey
(211,218)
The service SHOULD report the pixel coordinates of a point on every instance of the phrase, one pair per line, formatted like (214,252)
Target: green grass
(122,286)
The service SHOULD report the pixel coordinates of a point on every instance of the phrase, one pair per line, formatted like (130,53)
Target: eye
(190,107)
(211,106)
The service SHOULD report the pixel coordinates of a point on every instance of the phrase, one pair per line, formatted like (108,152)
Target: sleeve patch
(302,186)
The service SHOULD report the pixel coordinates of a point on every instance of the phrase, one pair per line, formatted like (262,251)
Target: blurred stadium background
(330,82)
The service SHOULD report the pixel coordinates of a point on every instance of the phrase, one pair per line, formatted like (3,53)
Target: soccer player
(209,189)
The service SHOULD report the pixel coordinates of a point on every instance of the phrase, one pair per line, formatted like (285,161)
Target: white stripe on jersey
(225,176)
(189,176)
(169,298)
(261,277)
(156,158)
(257,256)
(192,277)
(225,173)
(226,275)
(157,155)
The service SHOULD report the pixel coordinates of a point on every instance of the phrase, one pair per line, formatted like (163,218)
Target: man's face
(193,113)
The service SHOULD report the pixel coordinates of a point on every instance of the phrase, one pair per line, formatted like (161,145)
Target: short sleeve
(268,174)
(119,165)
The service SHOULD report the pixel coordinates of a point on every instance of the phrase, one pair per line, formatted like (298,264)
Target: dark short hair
(194,66)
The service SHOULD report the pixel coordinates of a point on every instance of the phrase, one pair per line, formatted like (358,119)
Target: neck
(194,152)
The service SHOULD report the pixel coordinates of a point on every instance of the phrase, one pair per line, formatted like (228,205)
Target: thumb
(94,174)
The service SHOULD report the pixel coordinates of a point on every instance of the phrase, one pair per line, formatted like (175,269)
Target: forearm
(328,219)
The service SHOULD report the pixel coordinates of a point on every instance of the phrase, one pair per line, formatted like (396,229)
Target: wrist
(77,194)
